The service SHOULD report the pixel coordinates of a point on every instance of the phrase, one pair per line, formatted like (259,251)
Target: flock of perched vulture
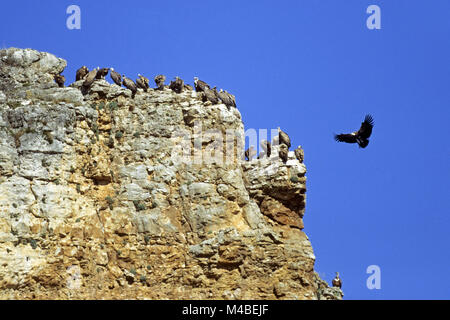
(361,137)
(142,82)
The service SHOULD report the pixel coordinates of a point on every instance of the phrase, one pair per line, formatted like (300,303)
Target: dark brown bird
(266,146)
(299,154)
(227,99)
(284,138)
(60,80)
(337,282)
(283,152)
(200,86)
(361,137)
(250,153)
(90,78)
(211,95)
(81,73)
(140,82)
(177,85)
(159,80)
(145,79)
(116,77)
(102,73)
(129,84)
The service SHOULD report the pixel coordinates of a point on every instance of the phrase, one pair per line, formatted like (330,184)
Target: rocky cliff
(100,197)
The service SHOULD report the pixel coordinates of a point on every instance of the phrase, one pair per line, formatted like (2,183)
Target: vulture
(265,145)
(60,80)
(299,154)
(284,138)
(81,73)
(177,85)
(227,99)
(128,83)
(145,79)
(361,137)
(90,77)
(200,86)
(101,74)
(159,80)
(211,95)
(337,282)
(116,77)
(250,153)
(141,83)
(283,153)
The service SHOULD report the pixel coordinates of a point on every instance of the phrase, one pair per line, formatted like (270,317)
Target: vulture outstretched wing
(366,127)
(345,137)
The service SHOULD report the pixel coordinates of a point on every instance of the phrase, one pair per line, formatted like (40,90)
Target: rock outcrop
(95,202)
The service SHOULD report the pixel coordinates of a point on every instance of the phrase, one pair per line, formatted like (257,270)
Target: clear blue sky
(313,68)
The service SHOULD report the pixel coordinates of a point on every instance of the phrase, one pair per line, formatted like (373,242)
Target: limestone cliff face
(96,204)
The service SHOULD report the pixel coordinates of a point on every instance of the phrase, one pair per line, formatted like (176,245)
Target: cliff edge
(99,198)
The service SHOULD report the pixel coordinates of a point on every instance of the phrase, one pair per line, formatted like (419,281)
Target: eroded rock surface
(94,204)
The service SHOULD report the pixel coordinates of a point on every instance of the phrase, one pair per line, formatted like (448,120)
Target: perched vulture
(211,95)
(232,98)
(140,82)
(250,153)
(284,138)
(200,86)
(60,80)
(116,77)
(90,77)
(283,153)
(128,83)
(265,145)
(81,73)
(337,282)
(361,137)
(177,85)
(102,73)
(145,79)
(299,154)
(227,99)
(159,80)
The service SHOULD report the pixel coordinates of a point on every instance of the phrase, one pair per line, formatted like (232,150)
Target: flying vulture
(90,77)
(361,137)
(159,80)
(177,85)
(250,153)
(284,138)
(200,86)
(283,153)
(299,154)
(128,83)
(337,282)
(265,145)
(60,80)
(101,74)
(81,73)
(116,77)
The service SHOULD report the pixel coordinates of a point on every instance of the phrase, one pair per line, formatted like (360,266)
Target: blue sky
(313,68)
